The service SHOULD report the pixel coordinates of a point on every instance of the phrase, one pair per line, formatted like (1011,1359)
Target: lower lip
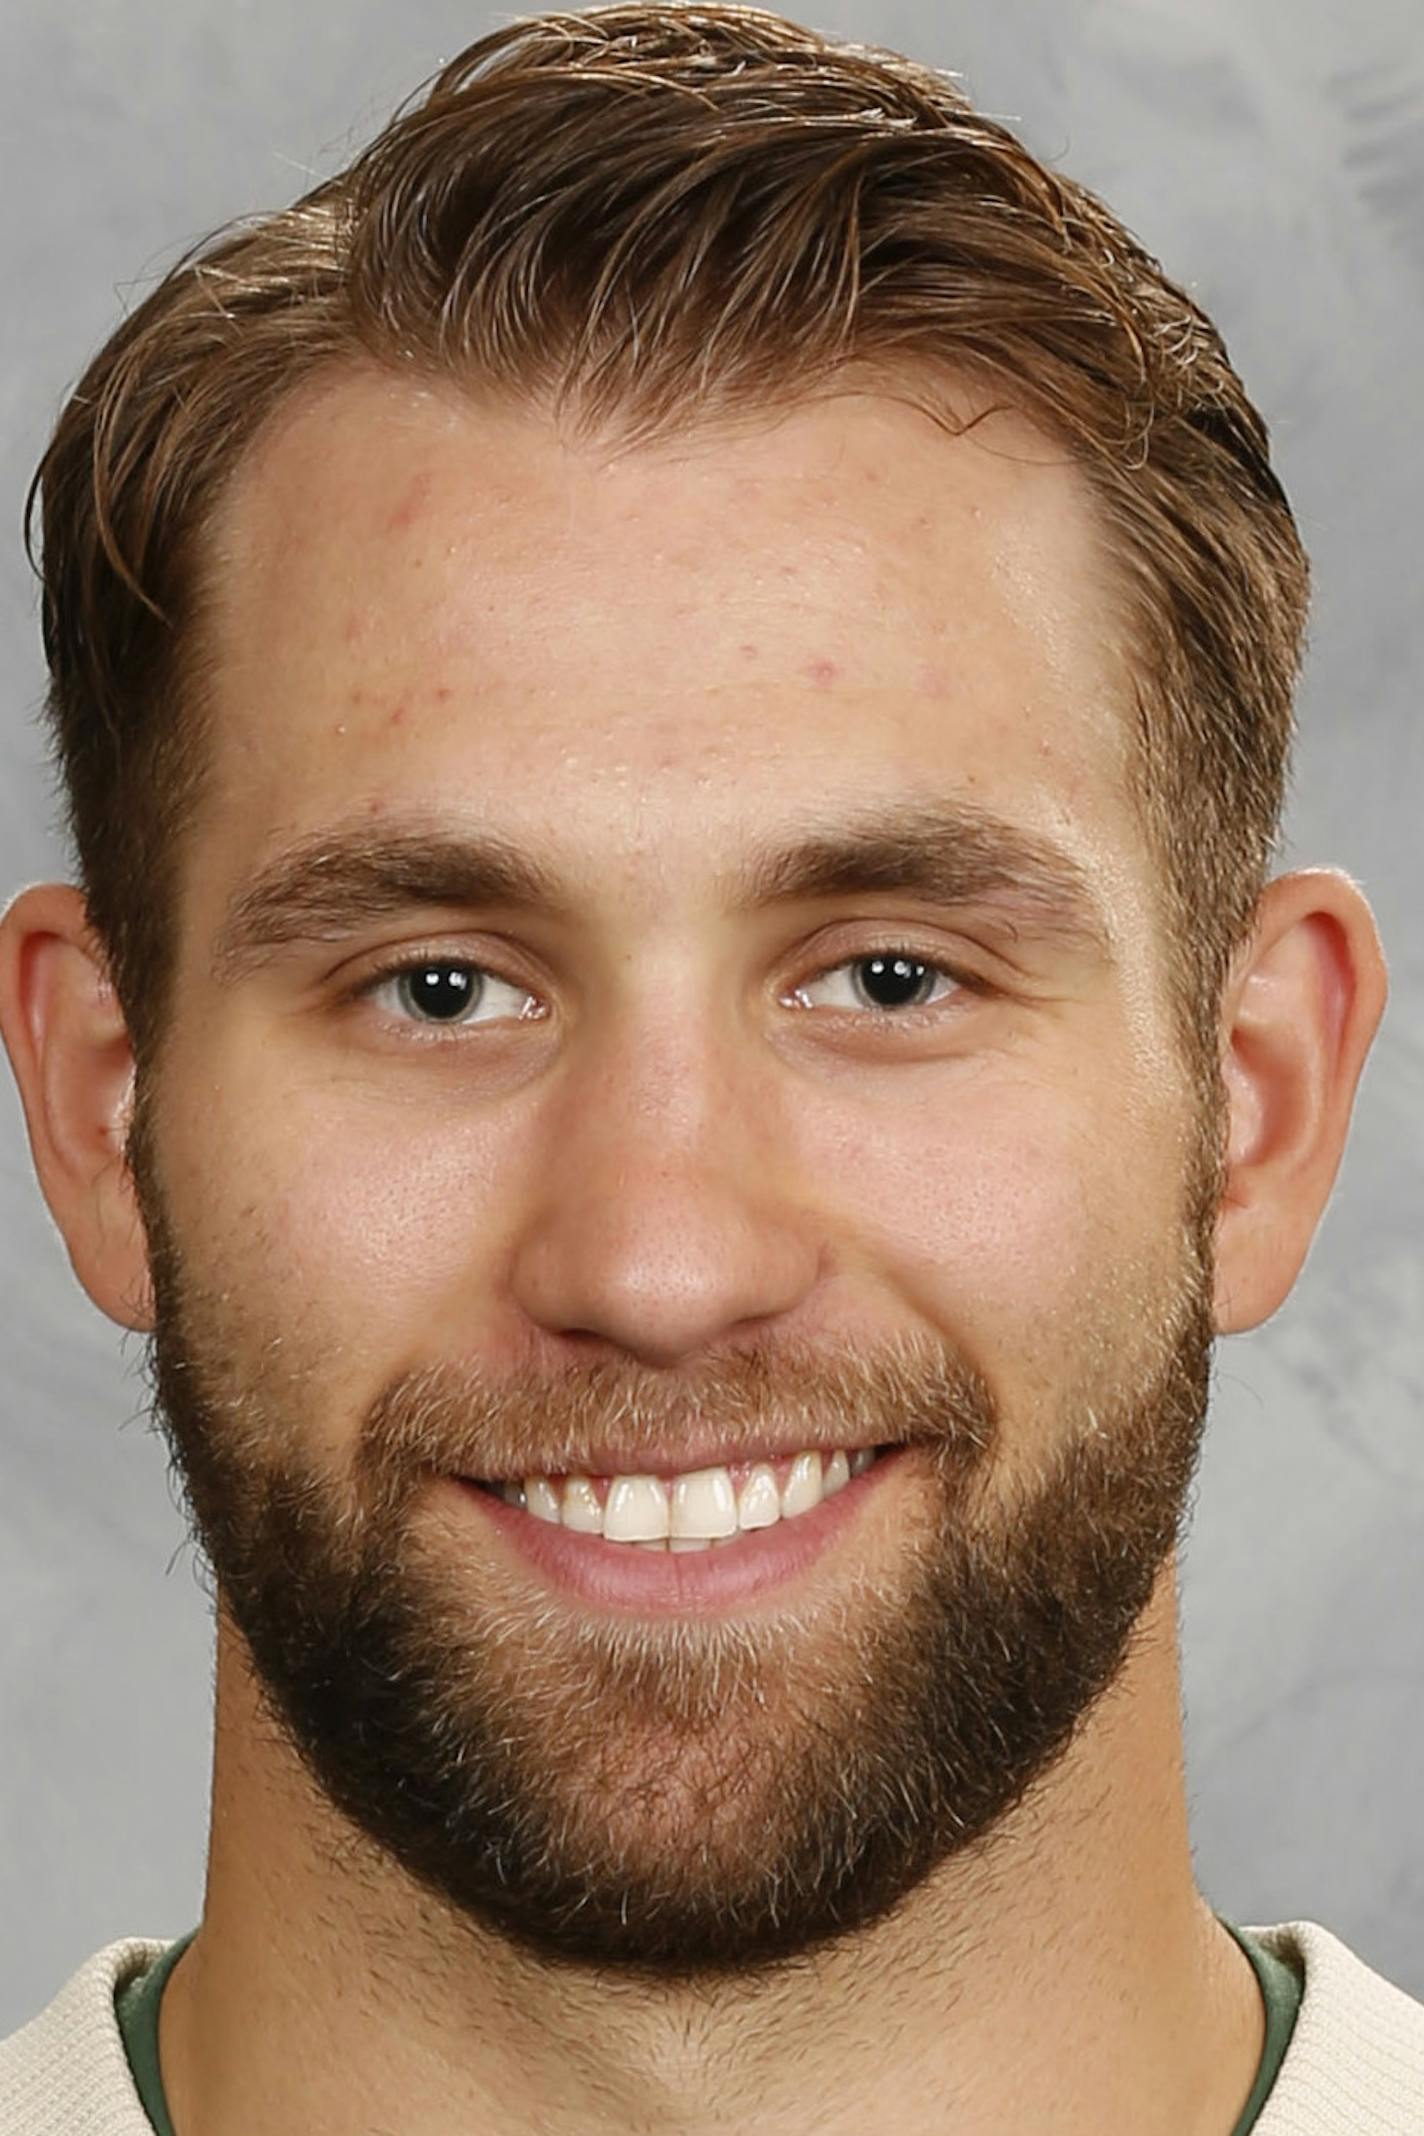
(620,1576)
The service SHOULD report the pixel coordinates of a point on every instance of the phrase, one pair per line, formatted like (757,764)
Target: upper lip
(688,1454)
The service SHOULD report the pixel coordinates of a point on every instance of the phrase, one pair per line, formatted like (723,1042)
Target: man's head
(668,1180)
(708,903)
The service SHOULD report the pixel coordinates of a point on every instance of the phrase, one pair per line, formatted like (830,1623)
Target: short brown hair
(643,216)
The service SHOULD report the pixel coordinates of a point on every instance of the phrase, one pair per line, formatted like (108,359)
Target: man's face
(641,760)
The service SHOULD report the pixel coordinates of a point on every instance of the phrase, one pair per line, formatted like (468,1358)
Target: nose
(665,1217)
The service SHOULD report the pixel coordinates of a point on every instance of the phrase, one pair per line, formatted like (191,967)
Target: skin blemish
(822,672)
(749,652)
(443,693)
(408,507)
(398,714)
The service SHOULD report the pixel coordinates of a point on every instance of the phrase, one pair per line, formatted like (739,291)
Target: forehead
(419,598)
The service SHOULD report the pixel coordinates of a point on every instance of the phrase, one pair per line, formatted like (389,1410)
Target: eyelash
(963,982)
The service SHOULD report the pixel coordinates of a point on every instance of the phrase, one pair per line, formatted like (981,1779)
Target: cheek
(1013,1219)
(345,1237)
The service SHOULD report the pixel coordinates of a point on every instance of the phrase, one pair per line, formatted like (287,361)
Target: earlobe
(1300,1011)
(69,1048)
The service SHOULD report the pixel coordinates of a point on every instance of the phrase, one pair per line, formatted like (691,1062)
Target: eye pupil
(892,982)
(440,991)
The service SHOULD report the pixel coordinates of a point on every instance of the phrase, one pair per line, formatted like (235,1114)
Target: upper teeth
(693,1510)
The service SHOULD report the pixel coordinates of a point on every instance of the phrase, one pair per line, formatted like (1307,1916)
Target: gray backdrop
(1270,151)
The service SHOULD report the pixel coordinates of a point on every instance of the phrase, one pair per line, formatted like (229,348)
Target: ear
(1300,1011)
(69,1047)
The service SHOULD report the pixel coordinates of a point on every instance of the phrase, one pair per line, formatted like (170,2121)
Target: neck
(1069,1977)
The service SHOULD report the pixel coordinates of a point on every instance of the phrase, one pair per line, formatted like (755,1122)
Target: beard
(682,1799)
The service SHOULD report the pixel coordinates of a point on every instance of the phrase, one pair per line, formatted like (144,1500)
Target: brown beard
(682,1799)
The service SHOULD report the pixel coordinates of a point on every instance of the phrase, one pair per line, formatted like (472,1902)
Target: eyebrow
(951,854)
(331,884)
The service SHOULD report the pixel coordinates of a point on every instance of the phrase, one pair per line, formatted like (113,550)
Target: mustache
(456,1418)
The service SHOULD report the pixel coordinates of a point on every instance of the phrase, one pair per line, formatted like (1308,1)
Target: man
(675,694)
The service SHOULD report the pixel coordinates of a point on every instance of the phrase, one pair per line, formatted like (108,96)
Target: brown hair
(643,216)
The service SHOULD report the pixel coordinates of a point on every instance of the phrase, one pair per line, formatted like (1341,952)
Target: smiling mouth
(700,1509)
